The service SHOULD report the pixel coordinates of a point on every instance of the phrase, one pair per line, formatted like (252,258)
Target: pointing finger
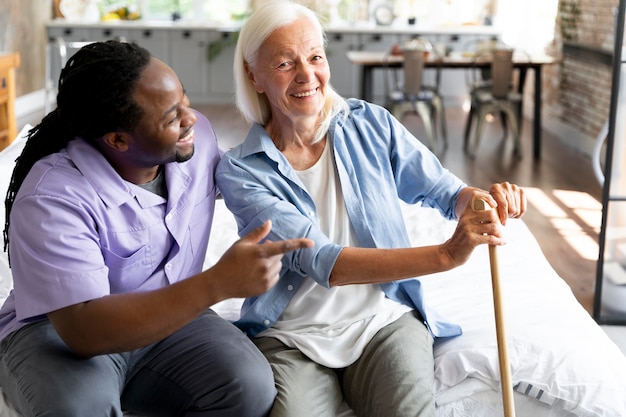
(259,233)
(284,246)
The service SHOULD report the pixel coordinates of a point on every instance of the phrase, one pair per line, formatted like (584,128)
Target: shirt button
(290,287)
(311,213)
(266,322)
(168,267)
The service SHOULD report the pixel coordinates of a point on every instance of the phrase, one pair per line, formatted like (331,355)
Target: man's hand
(249,268)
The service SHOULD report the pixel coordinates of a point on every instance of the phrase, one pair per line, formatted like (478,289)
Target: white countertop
(234,26)
(146,24)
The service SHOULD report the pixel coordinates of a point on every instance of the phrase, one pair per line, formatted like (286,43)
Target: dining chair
(58,51)
(478,77)
(493,96)
(406,91)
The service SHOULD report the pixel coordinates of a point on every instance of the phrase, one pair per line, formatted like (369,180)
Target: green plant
(569,15)
(217,46)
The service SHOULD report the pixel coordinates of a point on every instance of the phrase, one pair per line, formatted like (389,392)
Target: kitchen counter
(146,24)
(202,52)
(366,28)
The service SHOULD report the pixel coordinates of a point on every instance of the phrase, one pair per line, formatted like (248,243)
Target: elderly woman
(347,318)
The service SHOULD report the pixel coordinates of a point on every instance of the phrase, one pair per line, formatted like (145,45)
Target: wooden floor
(564,211)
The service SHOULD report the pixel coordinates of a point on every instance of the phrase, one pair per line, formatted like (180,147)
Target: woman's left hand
(511,200)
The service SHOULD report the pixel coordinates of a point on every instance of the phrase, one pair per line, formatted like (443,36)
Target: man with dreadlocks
(108,218)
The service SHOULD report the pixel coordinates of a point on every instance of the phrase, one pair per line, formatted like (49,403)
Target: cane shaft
(503,356)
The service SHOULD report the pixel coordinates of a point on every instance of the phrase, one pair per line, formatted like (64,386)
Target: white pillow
(555,348)
(7,162)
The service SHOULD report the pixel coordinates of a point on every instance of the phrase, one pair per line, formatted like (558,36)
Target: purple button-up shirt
(80,232)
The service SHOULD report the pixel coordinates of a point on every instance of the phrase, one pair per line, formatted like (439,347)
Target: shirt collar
(109,185)
(258,141)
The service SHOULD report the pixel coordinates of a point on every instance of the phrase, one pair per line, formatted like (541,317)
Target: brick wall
(578,89)
(585,94)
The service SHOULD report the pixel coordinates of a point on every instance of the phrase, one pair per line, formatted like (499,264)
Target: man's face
(165,132)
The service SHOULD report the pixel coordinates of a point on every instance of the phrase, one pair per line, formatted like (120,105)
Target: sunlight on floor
(572,214)
(585,207)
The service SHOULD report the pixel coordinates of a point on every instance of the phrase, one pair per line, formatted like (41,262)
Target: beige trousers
(392,378)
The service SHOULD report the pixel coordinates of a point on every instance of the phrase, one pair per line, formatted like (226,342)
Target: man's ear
(118,141)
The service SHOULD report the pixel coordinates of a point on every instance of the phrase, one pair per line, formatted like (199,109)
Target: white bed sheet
(554,345)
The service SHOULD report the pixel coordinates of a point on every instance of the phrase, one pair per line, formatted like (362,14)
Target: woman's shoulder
(357,103)
(362,113)
(361,107)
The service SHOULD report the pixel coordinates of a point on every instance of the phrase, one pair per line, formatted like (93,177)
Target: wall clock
(383,15)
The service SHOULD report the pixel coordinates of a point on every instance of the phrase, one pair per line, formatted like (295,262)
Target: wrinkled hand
(484,227)
(248,268)
(510,200)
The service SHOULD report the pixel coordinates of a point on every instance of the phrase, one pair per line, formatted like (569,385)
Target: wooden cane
(503,357)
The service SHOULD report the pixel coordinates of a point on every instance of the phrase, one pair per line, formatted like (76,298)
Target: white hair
(273,15)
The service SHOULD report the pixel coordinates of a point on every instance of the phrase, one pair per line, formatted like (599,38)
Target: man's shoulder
(55,169)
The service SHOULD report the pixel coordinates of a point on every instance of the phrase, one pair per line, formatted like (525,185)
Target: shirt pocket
(127,273)
(117,262)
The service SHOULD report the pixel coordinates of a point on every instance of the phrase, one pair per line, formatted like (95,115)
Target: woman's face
(292,71)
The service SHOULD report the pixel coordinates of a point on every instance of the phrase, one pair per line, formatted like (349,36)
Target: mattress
(562,363)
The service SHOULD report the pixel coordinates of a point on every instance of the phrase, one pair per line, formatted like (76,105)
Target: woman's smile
(308,93)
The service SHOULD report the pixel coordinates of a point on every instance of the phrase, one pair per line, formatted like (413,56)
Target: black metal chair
(407,93)
(494,95)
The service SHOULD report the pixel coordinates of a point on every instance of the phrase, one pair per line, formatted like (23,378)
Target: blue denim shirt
(379,163)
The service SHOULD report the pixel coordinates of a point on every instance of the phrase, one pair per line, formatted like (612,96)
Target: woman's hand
(510,200)
(477,227)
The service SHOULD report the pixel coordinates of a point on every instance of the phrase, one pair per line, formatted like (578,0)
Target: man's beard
(186,157)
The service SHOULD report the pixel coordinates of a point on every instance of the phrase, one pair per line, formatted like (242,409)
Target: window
(206,10)
(165,9)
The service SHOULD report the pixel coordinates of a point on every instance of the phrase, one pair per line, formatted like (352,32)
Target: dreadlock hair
(95,97)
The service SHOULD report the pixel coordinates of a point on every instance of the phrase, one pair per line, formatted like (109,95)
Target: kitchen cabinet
(188,58)
(63,42)
(343,76)
(610,292)
(221,80)
(154,40)
(208,77)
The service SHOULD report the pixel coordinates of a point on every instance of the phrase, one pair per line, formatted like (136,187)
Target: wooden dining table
(368,61)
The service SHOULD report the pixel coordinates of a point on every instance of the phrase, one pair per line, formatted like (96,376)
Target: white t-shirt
(333,326)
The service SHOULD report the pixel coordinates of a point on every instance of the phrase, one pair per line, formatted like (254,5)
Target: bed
(562,362)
